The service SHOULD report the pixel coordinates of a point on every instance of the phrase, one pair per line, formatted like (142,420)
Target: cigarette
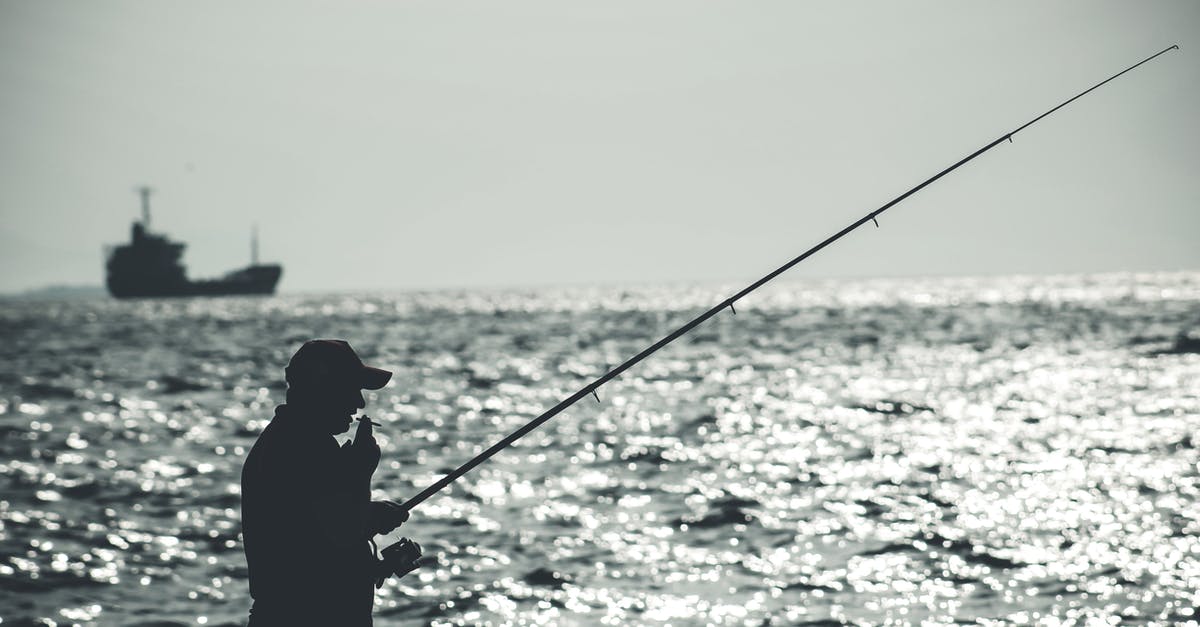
(373,423)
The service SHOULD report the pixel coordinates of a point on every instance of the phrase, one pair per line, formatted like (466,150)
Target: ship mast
(254,245)
(144,191)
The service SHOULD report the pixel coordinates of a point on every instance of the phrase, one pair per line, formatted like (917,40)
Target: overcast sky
(445,144)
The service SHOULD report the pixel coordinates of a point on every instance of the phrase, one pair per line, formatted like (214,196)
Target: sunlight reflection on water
(1017,449)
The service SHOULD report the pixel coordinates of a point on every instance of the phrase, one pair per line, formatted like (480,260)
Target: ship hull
(249,281)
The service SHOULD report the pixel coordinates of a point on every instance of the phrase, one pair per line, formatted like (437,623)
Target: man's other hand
(365,450)
(385,516)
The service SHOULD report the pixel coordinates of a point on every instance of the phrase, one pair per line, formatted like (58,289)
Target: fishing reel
(401,553)
(402,558)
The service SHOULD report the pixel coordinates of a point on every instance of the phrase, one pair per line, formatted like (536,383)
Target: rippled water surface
(994,450)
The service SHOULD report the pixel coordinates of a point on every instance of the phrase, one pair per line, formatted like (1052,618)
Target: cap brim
(373,378)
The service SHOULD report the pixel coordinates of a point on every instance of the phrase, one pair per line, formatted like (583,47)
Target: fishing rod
(590,389)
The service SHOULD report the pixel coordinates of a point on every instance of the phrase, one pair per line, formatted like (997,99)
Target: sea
(995,450)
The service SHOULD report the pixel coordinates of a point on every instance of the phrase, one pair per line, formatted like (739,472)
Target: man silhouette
(307,514)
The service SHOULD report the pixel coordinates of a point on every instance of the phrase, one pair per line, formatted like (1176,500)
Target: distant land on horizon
(59,291)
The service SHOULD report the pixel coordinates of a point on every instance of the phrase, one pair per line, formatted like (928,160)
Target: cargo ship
(150,266)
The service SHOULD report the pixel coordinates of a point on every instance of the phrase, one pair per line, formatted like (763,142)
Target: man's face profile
(343,401)
(333,404)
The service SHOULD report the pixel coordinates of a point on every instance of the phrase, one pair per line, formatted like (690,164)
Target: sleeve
(341,500)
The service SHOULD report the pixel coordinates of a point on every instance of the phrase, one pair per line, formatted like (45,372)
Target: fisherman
(307,517)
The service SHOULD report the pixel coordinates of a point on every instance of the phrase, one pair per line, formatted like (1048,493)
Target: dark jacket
(304,528)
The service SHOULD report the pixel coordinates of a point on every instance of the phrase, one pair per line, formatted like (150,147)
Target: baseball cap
(320,361)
